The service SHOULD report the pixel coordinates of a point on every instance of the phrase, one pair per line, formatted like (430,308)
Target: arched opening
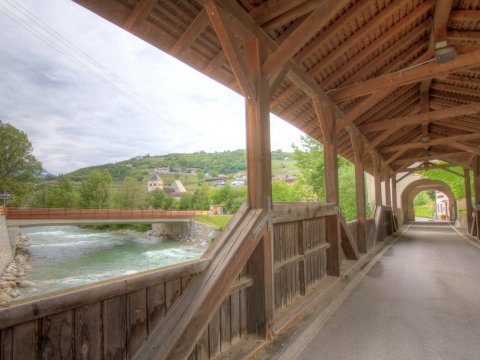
(431,205)
(446,205)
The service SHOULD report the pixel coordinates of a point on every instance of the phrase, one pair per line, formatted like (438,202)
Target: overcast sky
(87,92)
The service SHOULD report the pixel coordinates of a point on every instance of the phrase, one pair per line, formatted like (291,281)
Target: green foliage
(226,162)
(116,227)
(18,166)
(169,203)
(131,194)
(63,194)
(219,221)
(95,190)
(201,198)
(310,161)
(231,198)
(285,192)
(424,211)
(454,181)
(424,197)
(155,198)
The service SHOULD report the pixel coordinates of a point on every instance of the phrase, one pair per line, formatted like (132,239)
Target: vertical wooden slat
(115,328)
(225,326)
(6,342)
(57,336)
(214,335)
(243,312)
(333,238)
(88,336)
(137,320)
(235,317)
(202,346)
(173,290)
(156,305)
(25,341)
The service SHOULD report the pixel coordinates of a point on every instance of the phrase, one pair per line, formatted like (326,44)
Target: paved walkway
(420,301)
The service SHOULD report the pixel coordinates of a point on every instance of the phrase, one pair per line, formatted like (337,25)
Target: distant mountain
(140,167)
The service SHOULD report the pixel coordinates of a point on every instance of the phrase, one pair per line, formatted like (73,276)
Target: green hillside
(226,162)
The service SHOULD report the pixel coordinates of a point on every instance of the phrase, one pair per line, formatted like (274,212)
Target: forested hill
(140,167)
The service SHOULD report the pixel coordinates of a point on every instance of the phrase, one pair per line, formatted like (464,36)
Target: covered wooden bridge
(389,85)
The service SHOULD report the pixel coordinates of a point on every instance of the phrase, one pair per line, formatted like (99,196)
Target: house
(216,179)
(162,170)
(238,183)
(155,182)
(178,187)
(290,179)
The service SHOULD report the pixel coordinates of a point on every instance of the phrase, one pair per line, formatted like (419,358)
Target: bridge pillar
(172,229)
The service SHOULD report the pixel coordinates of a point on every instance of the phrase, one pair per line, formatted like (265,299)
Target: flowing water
(69,256)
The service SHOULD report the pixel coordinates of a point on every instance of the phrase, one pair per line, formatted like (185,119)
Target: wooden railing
(194,310)
(90,214)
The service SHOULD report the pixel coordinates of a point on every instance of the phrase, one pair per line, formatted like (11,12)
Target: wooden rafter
(406,76)
(465,15)
(199,24)
(139,13)
(441,141)
(420,118)
(230,47)
(302,34)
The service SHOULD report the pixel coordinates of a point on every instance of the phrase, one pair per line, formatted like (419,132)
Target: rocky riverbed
(12,280)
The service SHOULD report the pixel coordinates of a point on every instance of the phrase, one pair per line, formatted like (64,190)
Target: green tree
(155,198)
(309,157)
(18,166)
(185,202)
(63,194)
(201,198)
(284,192)
(95,190)
(131,194)
(169,203)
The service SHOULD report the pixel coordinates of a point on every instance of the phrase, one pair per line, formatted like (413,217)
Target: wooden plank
(465,15)
(348,244)
(202,346)
(272,9)
(57,336)
(214,335)
(219,19)
(235,317)
(156,305)
(115,328)
(439,141)
(52,304)
(173,290)
(225,324)
(136,320)
(6,344)
(301,35)
(25,341)
(139,13)
(196,27)
(417,119)
(333,239)
(88,336)
(407,76)
(360,198)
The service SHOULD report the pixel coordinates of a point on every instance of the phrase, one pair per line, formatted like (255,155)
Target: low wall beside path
(6,254)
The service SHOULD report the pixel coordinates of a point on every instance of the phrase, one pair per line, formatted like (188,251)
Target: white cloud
(141,100)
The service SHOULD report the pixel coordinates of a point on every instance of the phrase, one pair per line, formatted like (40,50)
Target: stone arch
(410,191)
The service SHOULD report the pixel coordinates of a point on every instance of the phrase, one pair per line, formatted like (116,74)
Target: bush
(425,211)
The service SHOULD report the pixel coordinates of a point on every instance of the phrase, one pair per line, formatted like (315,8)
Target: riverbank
(13,277)
(69,256)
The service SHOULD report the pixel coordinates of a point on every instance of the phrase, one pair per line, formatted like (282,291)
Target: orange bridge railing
(63,213)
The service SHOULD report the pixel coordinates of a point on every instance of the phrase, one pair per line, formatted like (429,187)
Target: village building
(155,182)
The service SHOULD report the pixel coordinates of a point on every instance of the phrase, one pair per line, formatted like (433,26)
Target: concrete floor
(420,301)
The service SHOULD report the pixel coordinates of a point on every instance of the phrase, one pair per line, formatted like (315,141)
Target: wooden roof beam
(302,34)
(139,13)
(420,118)
(450,140)
(219,20)
(407,76)
(295,13)
(435,156)
(465,15)
(273,9)
(463,35)
(469,148)
(196,27)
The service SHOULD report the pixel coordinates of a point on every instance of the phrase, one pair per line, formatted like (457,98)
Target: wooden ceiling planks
(371,55)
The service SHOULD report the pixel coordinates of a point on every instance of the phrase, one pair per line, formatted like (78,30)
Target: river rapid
(69,256)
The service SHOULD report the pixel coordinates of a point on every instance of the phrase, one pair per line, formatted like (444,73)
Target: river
(69,256)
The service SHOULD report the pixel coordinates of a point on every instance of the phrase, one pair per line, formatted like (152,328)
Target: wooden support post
(388,197)
(394,194)
(468,197)
(358,151)
(260,184)
(326,118)
(377,178)
(476,187)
